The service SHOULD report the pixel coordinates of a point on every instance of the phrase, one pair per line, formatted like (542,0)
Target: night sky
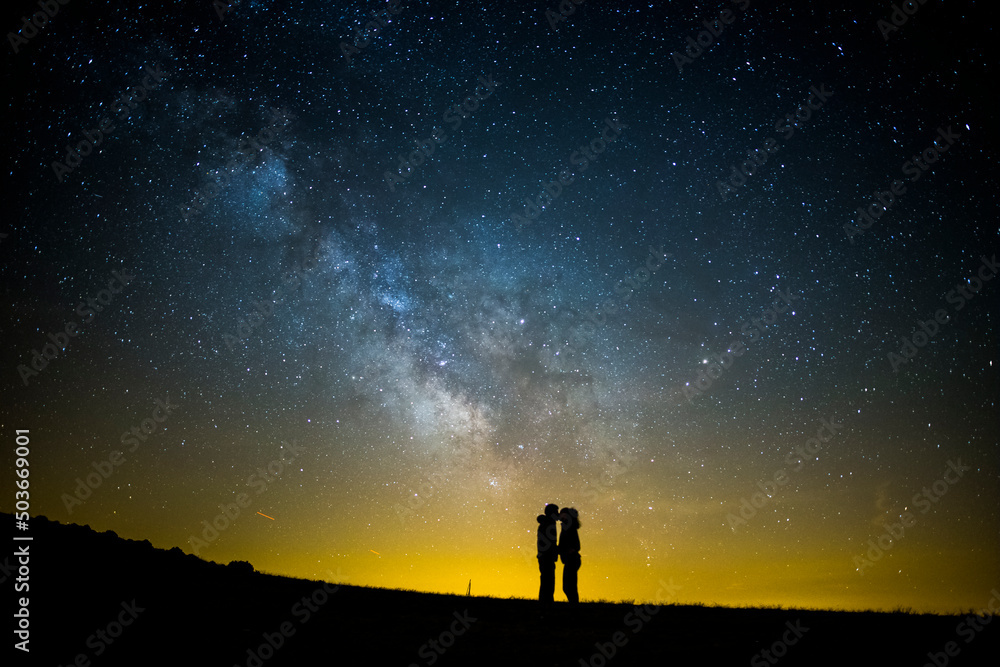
(384,294)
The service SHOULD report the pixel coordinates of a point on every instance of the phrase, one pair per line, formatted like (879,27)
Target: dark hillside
(187,611)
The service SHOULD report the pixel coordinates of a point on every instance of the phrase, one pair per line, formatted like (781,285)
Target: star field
(378,318)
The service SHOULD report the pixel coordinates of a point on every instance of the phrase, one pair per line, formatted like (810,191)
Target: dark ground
(199,613)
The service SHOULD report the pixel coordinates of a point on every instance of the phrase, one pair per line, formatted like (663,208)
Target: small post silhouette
(468,591)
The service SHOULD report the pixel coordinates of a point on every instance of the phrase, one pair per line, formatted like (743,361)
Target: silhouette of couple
(549,550)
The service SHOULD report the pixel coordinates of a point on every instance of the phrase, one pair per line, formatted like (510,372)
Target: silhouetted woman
(569,552)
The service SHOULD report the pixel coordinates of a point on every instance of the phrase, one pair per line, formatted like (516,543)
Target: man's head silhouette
(551,510)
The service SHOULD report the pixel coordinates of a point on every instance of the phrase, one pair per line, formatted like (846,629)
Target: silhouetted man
(548,553)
